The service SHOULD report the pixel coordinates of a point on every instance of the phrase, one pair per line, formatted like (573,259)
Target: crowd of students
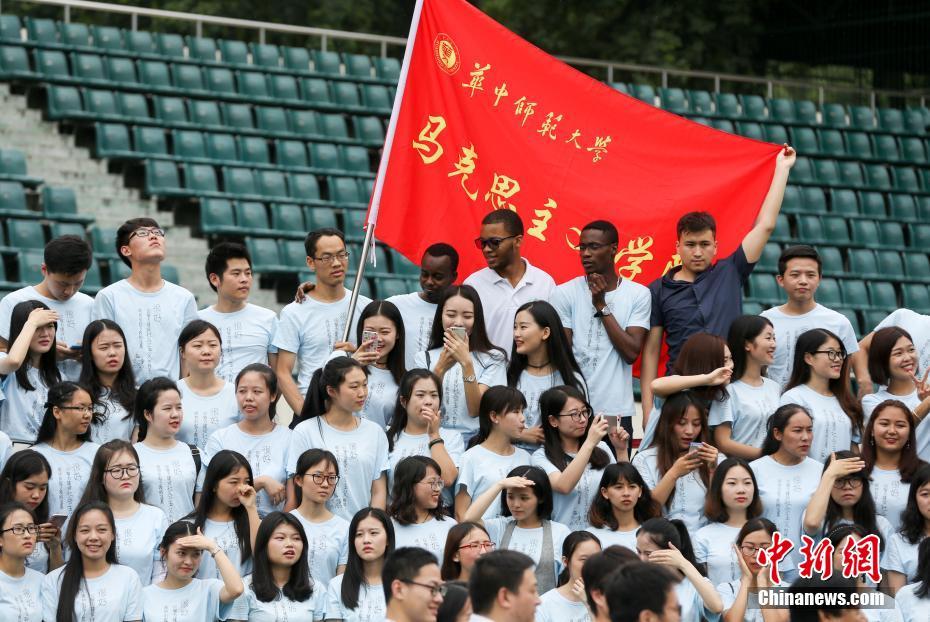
(147,475)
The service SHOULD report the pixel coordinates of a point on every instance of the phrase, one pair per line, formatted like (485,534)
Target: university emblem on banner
(447,53)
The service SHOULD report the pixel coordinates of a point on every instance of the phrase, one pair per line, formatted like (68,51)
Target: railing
(608,68)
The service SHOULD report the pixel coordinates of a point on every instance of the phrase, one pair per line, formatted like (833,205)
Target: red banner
(488,121)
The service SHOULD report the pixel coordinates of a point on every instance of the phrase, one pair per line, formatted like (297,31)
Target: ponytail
(333,374)
(498,400)
(779,421)
(663,532)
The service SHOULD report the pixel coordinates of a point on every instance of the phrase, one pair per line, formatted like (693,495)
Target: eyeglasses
(330,259)
(435,484)
(487,545)
(125,471)
(319,477)
(147,233)
(19,530)
(494,243)
(833,355)
(576,415)
(749,550)
(435,590)
(591,246)
(81,409)
(847,482)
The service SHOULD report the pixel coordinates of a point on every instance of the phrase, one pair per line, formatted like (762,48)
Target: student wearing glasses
(820,383)
(510,280)
(20,586)
(416,508)
(151,310)
(465,543)
(413,589)
(309,331)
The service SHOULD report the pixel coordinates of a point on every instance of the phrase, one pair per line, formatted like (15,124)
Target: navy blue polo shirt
(709,304)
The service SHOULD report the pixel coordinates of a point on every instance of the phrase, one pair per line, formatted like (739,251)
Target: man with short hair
(247,330)
(150,310)
(596,571)
(642,592)
(502,587)
(309,331)
(830,606)
(799,272)
(509,280)
(700,295)
(606,319)
(438,270)
(413,587)
(65,264)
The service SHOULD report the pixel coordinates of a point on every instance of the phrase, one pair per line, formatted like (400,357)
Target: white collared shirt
(500,300)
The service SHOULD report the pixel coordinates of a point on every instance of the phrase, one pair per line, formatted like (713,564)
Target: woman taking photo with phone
(380,335)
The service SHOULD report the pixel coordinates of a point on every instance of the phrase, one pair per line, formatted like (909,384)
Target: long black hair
(663,532)
(331,375)
(913,523)
(48,365)
(72,577)
(407,474)
(569,544)
(541,489)
(404,393)
(478,340)
(744,329)
(223,464)
(96,490)
(499,400)
(311,458)
(551,403)
(146,399)
(299,586)
(558,349)
(354,576)
(714,508)
(271,383)
(601,513)
(123,390)
(21,466)
(395,358)
(58,396)
(779,421)
(923,569)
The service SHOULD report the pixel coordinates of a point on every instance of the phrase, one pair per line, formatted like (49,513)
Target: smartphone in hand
(459,331)
(370,335)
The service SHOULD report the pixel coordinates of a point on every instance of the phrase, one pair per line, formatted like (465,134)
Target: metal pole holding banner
(382,168)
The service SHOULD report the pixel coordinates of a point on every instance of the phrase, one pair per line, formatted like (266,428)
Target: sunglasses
(494,243)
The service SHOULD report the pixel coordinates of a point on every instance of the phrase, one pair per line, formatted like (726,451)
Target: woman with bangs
(678,465)
(24,479)
(416,508)
(106,370)
(574,454)
(732,501)
(755,535)
(20,586)
(820,383)
(889,450)
(383,356)
(621,506)
(465,543)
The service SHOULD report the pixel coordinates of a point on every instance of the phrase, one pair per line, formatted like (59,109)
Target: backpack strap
(195,454)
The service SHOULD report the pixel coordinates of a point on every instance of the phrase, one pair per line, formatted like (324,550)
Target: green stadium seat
(727,105)
(703,121)
(150,141)
(254,150)
(858,145)
(923,208)
(316,91)
(355,221)
(345,94)
(920,237)
(252,84)
(102,241)
(828,293)
(375,97)
(793,201)
(221,146)
(202,48)
(326,62)
(118,270)
(58,229)
(891,120)
(803,171)
(161,177)
(861,117)
(333,126)
(282,86)
(10,27)
(239,181)
(293,252)
(265,55)
(915,296)
(851,174)
(290,153)
(699,102)
(404,267)
(265,255)
(844,202)
(93,280)
(217,216)
(886,147)
(863,264)
(60,203)
(915,121)
(358,65)
(140,42)
(51,64)
(25,233)
(204,112)
(271,183)
(170,110)
(804,140)
(321,217)
(121,71)
(827,172)
(806,112)
(854,294)
(252,217)
(834,115)
(238,116)
(108,38)
(344,191)
(155,74)
(189,144)
(303,122)
(644,93)
(304,187)
(905,179)
(925,179)
(14,63)
(903,207)
(297,59)
(171,274)
(391,287)
(369,130)
(234,52)
(355,159)
(865,233)
(782,232)
(30,266)
(88,68)
(831,142)
(367,188)
(775,133)
(912,150)
(724,125)
(835,230)
(753,107)
(814,199)
(271,119)
(65,102)
(764,289)
(13,200)
(101,103)
(768,263)
(810,229)
(673,100)
(41,30)
(891,234)
(219,80)
(13,168)
(133,106)
(872,204)
(170,45)
(782,110)
(916,266)
(187,78)
(324,156)
(750,130)
(890,265)
(200,178)
(288,219)
(387,68)
(877,177)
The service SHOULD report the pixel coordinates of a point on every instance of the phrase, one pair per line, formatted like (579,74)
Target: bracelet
(435,442)
(214,552)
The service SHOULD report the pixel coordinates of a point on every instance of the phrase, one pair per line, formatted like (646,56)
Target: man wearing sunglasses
(150,310)
(413,587)
(509,280)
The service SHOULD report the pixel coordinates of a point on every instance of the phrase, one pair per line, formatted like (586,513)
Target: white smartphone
(459,331)
(369,335)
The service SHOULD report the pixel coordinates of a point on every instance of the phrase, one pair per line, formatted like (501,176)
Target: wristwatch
(471,378)
(603,312)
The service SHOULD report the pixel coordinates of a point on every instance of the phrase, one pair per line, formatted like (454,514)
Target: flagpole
(382,168)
